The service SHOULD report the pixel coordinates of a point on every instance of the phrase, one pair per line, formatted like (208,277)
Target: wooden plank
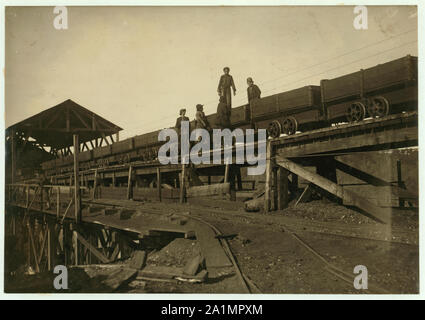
(382,214)
(302,195)
(58,202)
(129,183)
(92,249)
(374,139)
(208,190)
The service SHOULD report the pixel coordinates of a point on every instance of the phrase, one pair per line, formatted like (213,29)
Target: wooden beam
(302,195)
(52,240)
(183,184)
(94,184)
(268,178)
(208,190)
(85,124)
(32,245)
(91,248)
(374,139)
(382,214)
(129,183)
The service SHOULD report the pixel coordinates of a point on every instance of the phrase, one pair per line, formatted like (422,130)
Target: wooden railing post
(77,191)
(58,202)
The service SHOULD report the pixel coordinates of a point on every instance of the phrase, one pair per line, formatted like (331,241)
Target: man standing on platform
(226,82)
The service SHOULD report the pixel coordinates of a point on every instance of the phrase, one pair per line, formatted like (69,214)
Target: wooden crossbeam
(81,119)
(43,245)
(382,214)
(32,245)
(92,249)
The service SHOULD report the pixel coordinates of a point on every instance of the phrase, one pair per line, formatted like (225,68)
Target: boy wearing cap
(253,91)
(224,85)
(181,118)
(201,119)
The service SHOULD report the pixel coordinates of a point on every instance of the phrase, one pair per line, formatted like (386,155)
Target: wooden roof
(55,126)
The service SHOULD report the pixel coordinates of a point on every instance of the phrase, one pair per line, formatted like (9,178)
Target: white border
(132,296)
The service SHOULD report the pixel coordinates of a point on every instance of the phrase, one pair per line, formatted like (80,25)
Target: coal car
(374,92)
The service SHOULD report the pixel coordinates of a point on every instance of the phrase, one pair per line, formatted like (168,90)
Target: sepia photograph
(214,149)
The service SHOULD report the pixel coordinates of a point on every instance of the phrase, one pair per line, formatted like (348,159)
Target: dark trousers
(227,93)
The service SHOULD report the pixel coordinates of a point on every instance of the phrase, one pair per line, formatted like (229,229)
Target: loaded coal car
(374,92)
(384,89)
(289,112)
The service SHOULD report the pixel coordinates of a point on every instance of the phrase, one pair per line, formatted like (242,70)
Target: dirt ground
(330,237)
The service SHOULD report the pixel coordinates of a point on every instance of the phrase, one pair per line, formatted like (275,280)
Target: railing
(48,198)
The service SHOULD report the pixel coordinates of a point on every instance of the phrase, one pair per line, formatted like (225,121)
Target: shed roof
(55,126)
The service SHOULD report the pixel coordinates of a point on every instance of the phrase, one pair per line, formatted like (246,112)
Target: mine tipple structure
(87,166)
(388,88)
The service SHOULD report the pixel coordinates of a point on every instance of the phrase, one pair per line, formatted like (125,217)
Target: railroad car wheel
(290,125)
(356,112)
(274,129)
(380,107)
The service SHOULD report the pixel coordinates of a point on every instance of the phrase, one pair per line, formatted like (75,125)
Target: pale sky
(137,66)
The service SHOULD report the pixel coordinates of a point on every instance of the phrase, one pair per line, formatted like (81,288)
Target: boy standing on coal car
(223,114)
(254,93)
(225,84)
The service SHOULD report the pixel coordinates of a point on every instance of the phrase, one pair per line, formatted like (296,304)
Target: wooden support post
(77,191)
(226,173)
(95,184)
(282,188)
(274,196)
(183,184)
(52,240)
(76,247)
(114,180)
(268,178)
(130,183)
(158,182)
(70,185)
(66,243)
(32,245)
(58,202)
